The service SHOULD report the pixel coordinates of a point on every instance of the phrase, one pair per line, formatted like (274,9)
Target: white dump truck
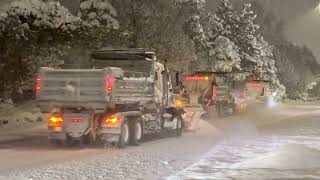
(204,93)
(126,95)
(196,87)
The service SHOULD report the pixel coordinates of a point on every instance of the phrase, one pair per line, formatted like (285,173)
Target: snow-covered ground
(17,122)
(289,148)
(156,159)
(255,145)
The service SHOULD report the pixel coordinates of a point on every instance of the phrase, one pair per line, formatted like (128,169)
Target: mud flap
(110,138)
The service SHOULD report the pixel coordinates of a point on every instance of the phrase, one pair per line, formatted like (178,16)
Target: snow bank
(287,157)
(12,116)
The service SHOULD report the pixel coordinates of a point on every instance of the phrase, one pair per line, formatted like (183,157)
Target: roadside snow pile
(287,157)
(301,102)
(12,116)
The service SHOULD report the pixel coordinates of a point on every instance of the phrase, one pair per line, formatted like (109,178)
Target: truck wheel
(136,132)
(178,130)
(124,136)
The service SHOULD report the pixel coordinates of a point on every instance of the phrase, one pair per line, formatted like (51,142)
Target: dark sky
(286,9)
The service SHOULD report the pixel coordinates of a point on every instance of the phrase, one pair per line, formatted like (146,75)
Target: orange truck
(216,92)
(251,90)
(257,89)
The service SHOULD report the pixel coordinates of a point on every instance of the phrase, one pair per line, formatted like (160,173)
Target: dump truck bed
(91,88)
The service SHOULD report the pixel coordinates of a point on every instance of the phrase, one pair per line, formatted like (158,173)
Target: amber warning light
(55,120)
(179,103)
(196,78)
(112,121)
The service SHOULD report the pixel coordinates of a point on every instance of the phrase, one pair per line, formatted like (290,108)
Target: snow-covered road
(263,143)
(286,148)
(157,159)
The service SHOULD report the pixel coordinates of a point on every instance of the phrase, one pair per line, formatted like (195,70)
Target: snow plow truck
(125,95)
(203,93)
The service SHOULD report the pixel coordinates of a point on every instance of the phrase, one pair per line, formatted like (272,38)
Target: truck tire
(136,132)
(178,130)
(125,135)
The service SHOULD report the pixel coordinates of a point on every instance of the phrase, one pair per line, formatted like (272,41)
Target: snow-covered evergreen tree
(98,13)
(156,24)
(37,33)
(226,20)
(255,54)
(224,55)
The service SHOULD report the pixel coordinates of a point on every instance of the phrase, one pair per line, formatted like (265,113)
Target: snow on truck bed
(149,79)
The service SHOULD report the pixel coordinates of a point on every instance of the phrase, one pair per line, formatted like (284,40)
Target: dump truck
(233,96)
(225,94)
(205,93)
(193,89)
(259,91)
(123,96)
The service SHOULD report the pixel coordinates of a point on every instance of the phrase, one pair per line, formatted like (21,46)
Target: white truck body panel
(87,88)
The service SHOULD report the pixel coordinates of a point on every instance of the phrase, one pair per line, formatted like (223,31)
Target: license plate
(61,136)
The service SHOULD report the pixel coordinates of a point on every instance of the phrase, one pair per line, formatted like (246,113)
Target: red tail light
(112,121)
(38,85)
(214,91)
(55,120)
(76,120)
(109,83)
(38,88)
